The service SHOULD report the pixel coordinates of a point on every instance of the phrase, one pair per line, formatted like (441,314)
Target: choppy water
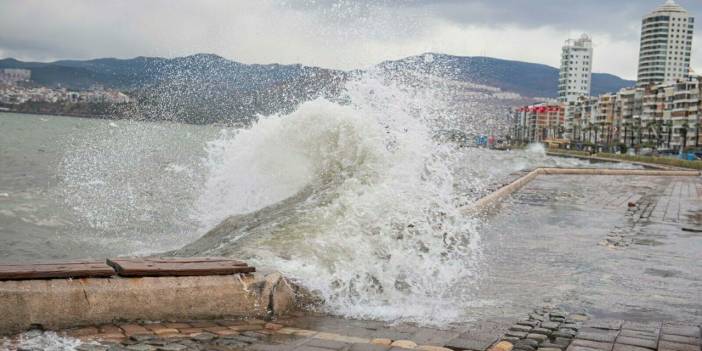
(356,200)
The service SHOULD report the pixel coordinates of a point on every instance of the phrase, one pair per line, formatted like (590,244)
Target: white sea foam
(378,233)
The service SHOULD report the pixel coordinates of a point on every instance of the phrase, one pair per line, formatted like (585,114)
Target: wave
(353,199)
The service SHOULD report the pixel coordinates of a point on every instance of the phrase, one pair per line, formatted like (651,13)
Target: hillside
(206,88)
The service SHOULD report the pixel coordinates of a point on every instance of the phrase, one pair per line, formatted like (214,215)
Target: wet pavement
(621,247)
(619,256)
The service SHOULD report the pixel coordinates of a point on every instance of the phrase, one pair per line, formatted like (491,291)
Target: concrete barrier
(63,303)
(495,197)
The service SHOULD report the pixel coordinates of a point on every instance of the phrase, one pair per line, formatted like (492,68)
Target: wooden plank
(56,270)
(156,267)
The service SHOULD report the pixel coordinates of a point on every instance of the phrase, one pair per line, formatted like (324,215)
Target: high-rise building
(576,69)
(666,44)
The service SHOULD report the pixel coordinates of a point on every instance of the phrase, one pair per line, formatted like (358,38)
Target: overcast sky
(329,33)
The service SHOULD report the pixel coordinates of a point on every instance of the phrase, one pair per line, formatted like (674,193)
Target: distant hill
(207,88)
(527,79)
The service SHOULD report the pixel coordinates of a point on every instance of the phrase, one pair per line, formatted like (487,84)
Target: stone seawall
(63,303)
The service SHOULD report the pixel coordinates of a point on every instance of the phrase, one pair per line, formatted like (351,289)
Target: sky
(342,34)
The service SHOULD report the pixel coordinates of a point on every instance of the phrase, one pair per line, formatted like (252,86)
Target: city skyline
(329,33)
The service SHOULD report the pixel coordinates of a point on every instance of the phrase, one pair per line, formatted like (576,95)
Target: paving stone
(381,341)
(669,345)
(405,344)
(548,349)
(604,346)
(142,337)
(511,339)
(177,325)
(652,327)
(537,317)
(243,338)
(542,331)
(605,324)
(203,324)
(109,329)
(172,347)
(537,337)
(681,330)
(91,347)
(530,342)
(647,343)
(204,336)
(520,328)
(434,348)
(267,347)
(524,348)
(327,344)
(133,329)
(580,348)
(502,346)
(368,347)
(550,325)
(562,341)
(465,344)
(552,345)
(681,339)
(140,347)
(638,334)
(528,322)
(516,334)
(623,347)
(433,336)
(571,326)
(309,348)
(246,327)
(601,337)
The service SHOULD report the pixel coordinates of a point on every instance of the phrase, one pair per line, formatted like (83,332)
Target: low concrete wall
(62,303)
(496,196)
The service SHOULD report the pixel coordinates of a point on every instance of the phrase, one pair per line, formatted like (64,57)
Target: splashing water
(356,201)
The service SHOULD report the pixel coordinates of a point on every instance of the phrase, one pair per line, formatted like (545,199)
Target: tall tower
(666,44)
(576,69)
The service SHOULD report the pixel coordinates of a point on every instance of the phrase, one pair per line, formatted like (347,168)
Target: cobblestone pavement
(545,329)
(304,332)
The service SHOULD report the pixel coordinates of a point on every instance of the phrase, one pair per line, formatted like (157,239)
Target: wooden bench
(125,267)
(191,266)
(56,269)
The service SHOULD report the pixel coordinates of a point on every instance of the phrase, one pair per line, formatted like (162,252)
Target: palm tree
(683,134)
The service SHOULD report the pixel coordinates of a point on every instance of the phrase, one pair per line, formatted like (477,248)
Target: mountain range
(203,88)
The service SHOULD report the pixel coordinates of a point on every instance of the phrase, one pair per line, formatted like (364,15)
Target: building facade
(664,116)
(666,44)
(575,77)
(13,75)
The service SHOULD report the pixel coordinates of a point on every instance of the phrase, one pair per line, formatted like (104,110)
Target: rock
(406,344)
(516,334)
(381,341)
(142,337)
(502,346)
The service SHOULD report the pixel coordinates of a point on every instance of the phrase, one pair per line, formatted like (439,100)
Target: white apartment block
(576,69)
(666,44)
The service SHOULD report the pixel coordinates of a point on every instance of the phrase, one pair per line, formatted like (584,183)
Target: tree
(683,134)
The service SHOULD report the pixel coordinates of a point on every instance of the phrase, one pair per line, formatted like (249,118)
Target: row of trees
(656,134)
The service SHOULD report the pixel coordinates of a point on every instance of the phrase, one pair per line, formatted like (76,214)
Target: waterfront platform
(625,211)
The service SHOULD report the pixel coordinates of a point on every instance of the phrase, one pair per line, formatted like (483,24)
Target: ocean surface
(357,201)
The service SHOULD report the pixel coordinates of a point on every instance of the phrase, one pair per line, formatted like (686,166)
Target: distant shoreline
(76,115)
